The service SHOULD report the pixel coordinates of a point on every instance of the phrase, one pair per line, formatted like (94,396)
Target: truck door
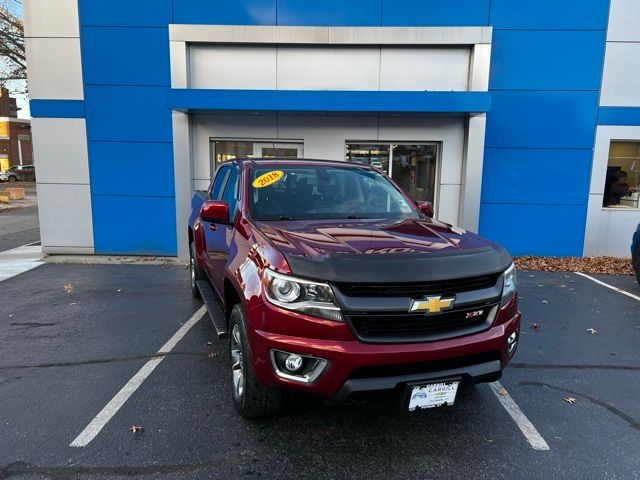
(218,235)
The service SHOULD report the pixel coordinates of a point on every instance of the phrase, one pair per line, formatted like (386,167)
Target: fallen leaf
(535,326)
(212,355)
(119,290)
(592,331)
(544,301)
(569,399)
(613,353)
(209,343)
(604,265)
(72,303)
(68,288)
(136,428)
(502,392)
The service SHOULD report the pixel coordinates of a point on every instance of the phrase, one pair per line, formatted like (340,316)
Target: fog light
(293,363)
(512,341)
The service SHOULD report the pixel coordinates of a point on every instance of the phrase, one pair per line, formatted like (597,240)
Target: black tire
(11,179)
(195,271)
(252,399)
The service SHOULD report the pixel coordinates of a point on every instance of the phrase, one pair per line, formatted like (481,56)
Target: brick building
(15,134)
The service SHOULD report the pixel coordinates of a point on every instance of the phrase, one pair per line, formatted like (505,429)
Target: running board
(213,307)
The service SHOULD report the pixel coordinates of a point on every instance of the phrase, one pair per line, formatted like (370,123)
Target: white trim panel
(624,19)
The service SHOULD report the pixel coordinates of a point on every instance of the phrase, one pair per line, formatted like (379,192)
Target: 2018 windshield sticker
(268,178)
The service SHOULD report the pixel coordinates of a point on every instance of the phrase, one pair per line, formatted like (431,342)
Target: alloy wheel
(237,369)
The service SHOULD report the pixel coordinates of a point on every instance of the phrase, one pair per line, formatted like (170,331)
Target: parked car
(8,176)
(21,173)
(335,283)
(635,253)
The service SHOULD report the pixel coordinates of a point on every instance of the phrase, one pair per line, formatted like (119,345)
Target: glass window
(622,182)
(372,155)
(225,151)
(231,191)
(221,178)
(327,192)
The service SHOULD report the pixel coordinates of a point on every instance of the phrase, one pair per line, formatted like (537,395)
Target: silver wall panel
(54,68)
(60,148)
(624,21)
(51,18)
(621,78)
(424,68)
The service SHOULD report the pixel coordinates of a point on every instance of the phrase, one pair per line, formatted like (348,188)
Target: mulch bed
(604,265)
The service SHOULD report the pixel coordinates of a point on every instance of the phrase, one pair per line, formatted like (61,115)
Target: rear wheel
(252,400)
(195,271)
(11,179)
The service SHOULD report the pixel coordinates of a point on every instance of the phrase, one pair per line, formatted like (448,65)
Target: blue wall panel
(125,13)
(57,108)
(537,176)
(330,12)
(128,114)
(542,119)
(611,116)
(118,225)
(435,12)
(547,60)
(125,56)
(550,14)
(225,12)
(535,229)
(136,169)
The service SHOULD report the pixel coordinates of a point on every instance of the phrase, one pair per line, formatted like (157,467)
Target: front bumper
(356,367)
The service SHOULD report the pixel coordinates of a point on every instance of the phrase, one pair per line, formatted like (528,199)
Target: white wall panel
(51,18)
(624,21)
(54,68)
(448,204)
(324,135)
(424,68)
(621,79)
(65,217)
(60,147)
(328,68)
(233,67)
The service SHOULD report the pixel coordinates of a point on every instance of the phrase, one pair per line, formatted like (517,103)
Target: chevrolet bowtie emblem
(432,304)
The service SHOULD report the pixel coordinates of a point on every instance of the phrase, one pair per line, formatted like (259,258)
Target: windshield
(324,192)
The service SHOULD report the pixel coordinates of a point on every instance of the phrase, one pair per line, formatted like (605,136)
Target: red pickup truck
(328,279)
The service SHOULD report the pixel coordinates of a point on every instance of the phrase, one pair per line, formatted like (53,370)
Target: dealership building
(514,117)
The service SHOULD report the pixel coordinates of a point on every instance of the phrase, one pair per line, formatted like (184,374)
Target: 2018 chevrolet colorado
(334,282)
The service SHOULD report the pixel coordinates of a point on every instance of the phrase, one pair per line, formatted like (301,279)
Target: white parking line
(100,420)
(599,282)
(523,423)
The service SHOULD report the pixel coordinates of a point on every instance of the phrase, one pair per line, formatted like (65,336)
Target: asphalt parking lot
(71,336)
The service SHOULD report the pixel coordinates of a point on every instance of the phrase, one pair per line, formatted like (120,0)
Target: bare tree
(13,62)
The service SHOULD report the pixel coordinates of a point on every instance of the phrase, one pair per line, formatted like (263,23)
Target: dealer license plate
(433,395)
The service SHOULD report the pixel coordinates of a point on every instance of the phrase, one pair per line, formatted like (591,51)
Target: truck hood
(409,250)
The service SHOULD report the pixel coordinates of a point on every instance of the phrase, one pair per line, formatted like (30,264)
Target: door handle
(212,226)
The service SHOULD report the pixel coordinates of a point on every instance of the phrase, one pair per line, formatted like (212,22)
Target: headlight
(311,298)
(510,285)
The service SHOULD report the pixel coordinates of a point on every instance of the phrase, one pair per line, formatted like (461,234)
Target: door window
(219,182)
(231,192)
(223,151)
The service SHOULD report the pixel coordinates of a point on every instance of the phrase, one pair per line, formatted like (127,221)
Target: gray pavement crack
(101,361)
(627,418)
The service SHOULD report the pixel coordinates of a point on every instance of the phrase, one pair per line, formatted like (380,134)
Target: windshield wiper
(285,217)
(355,217)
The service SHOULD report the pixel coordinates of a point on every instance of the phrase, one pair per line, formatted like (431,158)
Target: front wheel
(252,400)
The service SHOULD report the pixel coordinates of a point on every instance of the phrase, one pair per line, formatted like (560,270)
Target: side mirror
(426,208)
(214,211)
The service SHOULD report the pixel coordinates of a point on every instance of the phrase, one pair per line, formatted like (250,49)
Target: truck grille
(389,327)
(417,290)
